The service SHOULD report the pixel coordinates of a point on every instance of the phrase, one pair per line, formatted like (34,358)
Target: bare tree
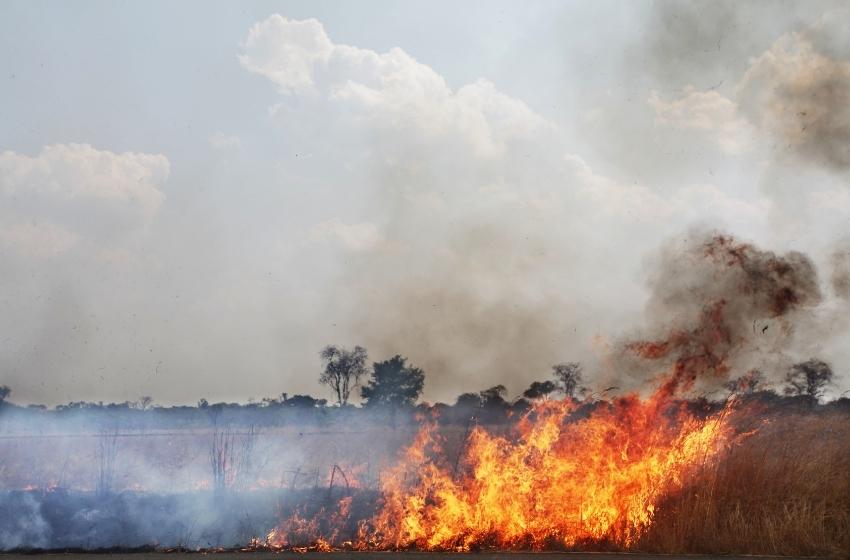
(107,452)
(4,393)
(343,370)
(144,403)
(808,378)
(749,383)
(221,455)
(568,376)
(231,456)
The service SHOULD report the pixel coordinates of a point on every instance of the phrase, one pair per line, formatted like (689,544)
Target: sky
(196,197)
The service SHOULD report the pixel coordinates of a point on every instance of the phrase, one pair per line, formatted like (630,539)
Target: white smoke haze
(125,477)
(341,185)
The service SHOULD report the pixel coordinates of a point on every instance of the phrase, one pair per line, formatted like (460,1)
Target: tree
(568,376)
(487,406)
(343,370)
(539,389)
(749,383)
(4,393)
(303,401)
(144,402)
(494,407)
(494,396)
(393,384)
(468,400)
(808,378)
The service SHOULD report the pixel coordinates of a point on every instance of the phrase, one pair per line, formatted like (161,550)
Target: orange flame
(563,477)
(561,482)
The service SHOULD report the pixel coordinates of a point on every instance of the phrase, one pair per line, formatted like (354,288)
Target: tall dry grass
(784,490)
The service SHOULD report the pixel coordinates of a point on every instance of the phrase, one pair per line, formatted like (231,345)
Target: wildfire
(561,482)
(574,473)
(565,476)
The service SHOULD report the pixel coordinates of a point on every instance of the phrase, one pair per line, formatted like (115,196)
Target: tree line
(395,384)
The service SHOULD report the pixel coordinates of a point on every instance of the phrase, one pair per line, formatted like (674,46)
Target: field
(781,488)
(785,490)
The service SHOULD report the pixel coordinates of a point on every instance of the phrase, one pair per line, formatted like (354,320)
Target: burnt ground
(380,556)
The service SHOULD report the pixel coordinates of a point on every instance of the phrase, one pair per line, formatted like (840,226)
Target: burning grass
(628,476)
(556,484)
(699,479)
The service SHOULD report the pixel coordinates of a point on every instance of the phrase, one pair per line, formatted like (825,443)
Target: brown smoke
(717,303)
(472,315)
(841,273)
(787,65)
(802,97)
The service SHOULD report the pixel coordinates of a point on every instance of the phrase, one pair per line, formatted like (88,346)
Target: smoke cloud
(719,307)
(841,272)
(799,92)
(368,189)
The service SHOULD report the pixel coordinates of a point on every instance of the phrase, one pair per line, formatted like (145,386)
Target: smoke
(841,272)
(24,526)
(464,232)
(696,34)
(718,307)
(475,240)
(785,65)
(434,215)
(160,486)
(798,91)
(780,72)
(478,310)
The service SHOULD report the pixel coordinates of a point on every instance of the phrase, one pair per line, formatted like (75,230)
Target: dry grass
(784,490)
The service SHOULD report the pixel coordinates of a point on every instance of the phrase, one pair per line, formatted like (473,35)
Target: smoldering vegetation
(70,519)
(91,476)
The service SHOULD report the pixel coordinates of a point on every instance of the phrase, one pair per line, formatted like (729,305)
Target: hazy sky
(195,197)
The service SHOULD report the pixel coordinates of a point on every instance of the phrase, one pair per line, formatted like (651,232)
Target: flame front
(556,481)
(562,481)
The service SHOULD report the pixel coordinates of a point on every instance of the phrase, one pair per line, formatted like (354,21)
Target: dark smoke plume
(718,303)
